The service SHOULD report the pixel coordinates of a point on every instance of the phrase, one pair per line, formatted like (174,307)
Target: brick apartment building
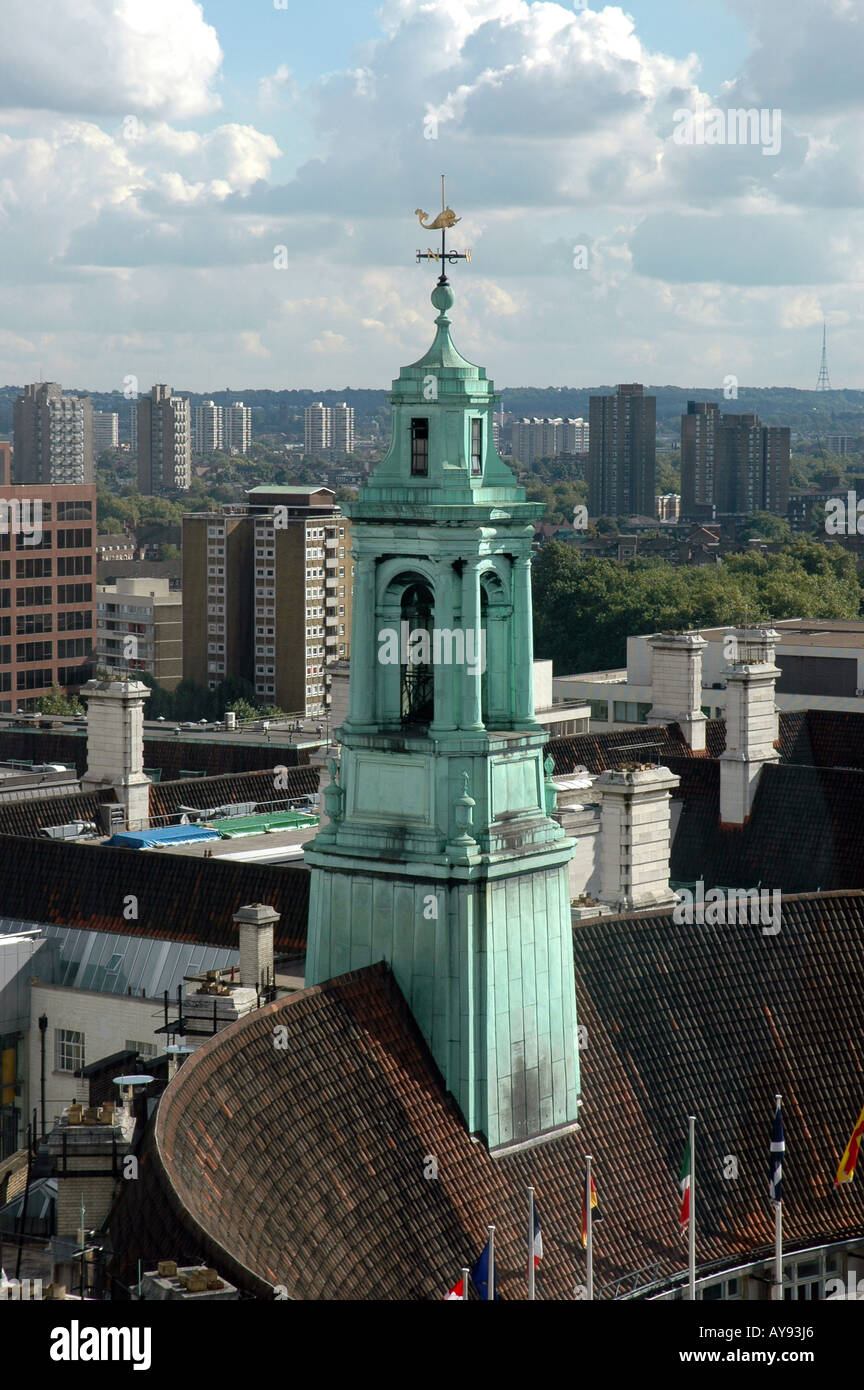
(47,579)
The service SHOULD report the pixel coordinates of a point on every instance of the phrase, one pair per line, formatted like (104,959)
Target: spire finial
(445,219)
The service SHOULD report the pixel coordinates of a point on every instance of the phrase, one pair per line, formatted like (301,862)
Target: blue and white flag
(778,1148)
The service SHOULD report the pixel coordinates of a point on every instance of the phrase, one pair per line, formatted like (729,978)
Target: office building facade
(47,574)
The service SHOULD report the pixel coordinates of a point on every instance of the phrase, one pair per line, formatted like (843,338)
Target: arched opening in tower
(417,677)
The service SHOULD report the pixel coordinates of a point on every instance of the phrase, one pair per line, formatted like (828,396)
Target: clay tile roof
(179,897)
(166,797)
(305,1167)
(598,751)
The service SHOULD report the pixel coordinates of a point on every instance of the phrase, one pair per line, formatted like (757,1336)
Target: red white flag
(456,1294)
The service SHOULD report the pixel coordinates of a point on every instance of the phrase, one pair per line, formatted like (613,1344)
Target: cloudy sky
(154,153)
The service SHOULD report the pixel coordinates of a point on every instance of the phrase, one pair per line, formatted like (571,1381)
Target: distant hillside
(281,411)
(840,411)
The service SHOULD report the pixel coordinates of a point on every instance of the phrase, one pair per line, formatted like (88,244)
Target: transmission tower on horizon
(824,382)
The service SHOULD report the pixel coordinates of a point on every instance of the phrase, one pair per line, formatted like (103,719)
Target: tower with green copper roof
(439,855)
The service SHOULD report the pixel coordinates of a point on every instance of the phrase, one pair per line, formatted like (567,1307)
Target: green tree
(586,608)
(58,703)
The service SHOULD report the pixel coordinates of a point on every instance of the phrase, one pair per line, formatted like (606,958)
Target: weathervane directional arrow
(445,219)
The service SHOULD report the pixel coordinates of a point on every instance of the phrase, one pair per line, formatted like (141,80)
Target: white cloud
(555,127)
(100,56)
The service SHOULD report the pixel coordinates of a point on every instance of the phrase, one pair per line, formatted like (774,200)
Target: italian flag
(684,1184)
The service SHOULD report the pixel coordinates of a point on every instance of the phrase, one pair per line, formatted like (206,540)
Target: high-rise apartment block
(53,436)
(164,444)
(237,427)
(206,427)
(732,464)
(535,438)
(267,595)
(106,431)
(328,431)
(698,458)
(47,572)
(227,427)
(622,453)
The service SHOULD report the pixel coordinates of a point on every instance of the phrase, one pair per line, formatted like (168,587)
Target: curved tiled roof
(308,1166)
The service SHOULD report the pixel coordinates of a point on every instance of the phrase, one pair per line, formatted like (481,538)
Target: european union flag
(480,1275)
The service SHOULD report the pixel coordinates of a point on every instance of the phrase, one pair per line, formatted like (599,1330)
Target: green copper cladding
(440,856)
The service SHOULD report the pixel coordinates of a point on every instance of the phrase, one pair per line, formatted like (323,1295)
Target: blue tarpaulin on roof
(167,835)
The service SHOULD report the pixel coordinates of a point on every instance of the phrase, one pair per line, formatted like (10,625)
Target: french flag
(538,1240)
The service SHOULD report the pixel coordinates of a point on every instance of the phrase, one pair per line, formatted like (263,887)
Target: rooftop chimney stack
(115,745)
(255,924)
(751,719)
(635,837)
(676,684)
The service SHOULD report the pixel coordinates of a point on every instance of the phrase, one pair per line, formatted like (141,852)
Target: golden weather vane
(446,218)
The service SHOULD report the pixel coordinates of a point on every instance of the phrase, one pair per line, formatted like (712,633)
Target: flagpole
(466,1275)
(490,1288)
(691,1232)
(778,1239)
(589,1233)
(531,1244)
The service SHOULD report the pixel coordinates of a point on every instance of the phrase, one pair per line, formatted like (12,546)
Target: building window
(72,593)
(73,564)
(33,651)
(33,569)
(29,622)
(71,622)
(144,1049)
(68,1049)
(32,597)
(630,712)
(600,711)
(724,1291)
(476,448)
(419,448)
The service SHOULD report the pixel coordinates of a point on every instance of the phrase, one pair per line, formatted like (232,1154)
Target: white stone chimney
(751,719)
(635,837)
(676,684)
(115,745)
(255,924)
